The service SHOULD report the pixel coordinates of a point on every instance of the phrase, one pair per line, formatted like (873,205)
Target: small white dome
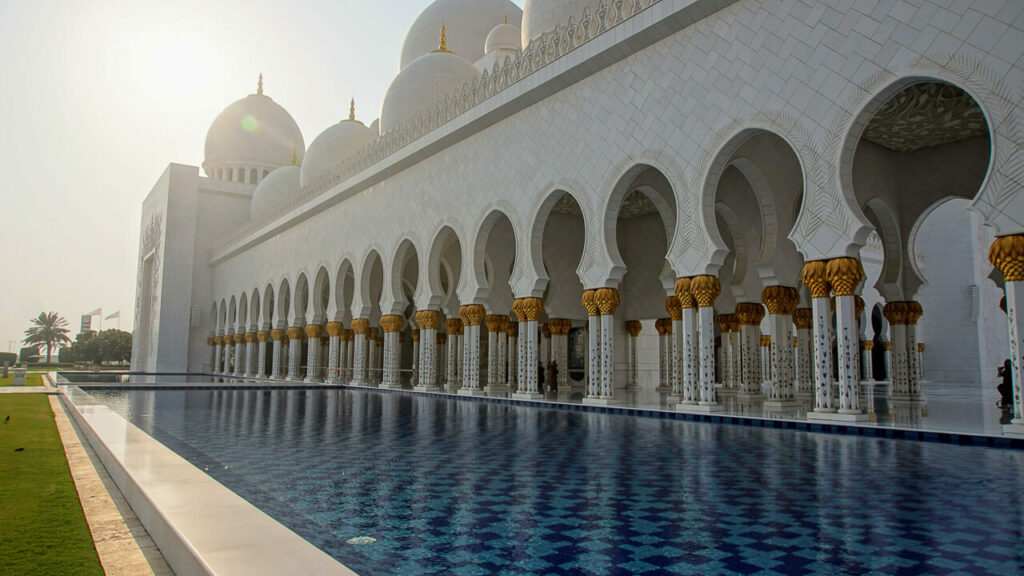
(468,22)
(253,130)
(422,86)
(334,145)
(540,16)
(275,191)
(503,37)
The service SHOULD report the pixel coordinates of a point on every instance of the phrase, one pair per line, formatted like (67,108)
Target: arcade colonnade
(793,357)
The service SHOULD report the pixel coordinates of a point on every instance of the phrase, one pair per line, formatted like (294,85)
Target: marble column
(844,275)
(593,345)
(391,325)
(663,326)
(896,315)
(560,328)
(416,345)
(914,313)
(211,343)
(472,316)
(228,339)
(313,350)
(750,315)
(218,354)
(440,359)
(866,369)
(1007,255)
(512,357)
(816,280)
(493,324)
(277,360)
(705,290)
(545,346)
(360,326)
(334,354)
(250,355)
(373,364)
(528,312)
(725,350)
(803,319)
(239,371)
(607,301)
(678,353)
(261,353)
(295,335)
(633,328)
(920,359)
(781,302)
(453,326)
(766,362)
(428,321)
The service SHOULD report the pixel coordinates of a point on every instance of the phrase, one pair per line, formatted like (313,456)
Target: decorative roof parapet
(549,47)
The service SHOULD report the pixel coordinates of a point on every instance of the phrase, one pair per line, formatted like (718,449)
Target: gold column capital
(633,327)
(472,314)
(391,323)
(277,335)
(492,322)
(239,338)
(867,345)
(682,292)
(529,309)
(428,319)
(844,274)
(766,340)
(415,334)
(815,278)
(262,336)
(749,313)
(360,325)
(914,312)
(724,325)
(250,337)
(589,303)
(545,330)
(803,318)
(780,299)
(210,341)
(607,300)
(334,329)
(895,312)
(675,308)
(887,346)
(314,331)
(295,333)
(920,346)
(453,325)
(512,329)
(705,290)
(441,338)
(1007,255)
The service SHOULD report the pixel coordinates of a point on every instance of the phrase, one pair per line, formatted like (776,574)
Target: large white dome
(275,191)
(253,130)
(540,16)
(334,145)
(468,23)
(423,85)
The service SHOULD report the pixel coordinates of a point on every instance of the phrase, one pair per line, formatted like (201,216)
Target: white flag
(114,315)
(95,312)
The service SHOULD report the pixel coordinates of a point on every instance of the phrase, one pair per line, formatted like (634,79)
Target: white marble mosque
(771,200)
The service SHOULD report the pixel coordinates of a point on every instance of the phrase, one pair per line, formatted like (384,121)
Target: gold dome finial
(259,87)
(352,110)
(444,42)
(295,160)
(506,18)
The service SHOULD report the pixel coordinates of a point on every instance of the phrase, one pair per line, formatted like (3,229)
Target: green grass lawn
(42,527)
(30,380)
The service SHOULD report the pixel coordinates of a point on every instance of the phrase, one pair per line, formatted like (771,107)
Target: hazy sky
(97,97)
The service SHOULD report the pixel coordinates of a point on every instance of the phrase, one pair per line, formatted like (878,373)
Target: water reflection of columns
(816,280)
(472,316)
(844,275)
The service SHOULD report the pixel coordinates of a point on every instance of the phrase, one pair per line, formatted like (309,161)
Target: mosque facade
(781,199)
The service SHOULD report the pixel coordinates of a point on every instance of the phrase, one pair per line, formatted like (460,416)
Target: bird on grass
(8,419)
(22,449)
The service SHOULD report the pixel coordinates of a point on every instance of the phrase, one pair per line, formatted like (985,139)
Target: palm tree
(49,330)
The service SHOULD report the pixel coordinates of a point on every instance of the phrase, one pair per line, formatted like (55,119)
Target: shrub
(8,357)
